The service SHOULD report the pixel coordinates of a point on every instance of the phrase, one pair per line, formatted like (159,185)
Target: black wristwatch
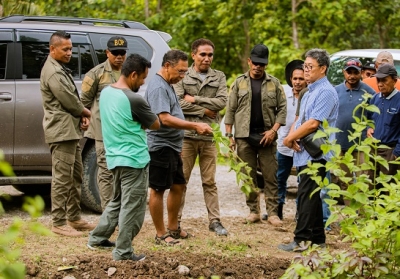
(229,135)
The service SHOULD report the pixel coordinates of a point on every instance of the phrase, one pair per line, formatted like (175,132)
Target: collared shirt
(320,103)
(387,123)
(283,131)
(348,100)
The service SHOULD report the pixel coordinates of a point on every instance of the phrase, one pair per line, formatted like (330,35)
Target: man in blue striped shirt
(320,103)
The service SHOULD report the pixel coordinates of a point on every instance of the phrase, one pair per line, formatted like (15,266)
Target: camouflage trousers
(104,176)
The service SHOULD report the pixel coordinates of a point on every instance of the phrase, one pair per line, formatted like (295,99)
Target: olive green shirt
(96,80)
(238,108)
(208,94)
(61,104)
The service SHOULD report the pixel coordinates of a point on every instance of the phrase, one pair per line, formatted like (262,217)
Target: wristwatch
(229,135)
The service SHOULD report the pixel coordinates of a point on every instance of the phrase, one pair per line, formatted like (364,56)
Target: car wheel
(34,189)
(90,196)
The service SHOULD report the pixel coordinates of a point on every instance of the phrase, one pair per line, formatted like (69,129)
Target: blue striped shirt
(320,102)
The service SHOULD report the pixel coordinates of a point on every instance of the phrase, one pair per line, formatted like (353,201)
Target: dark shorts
(165,169)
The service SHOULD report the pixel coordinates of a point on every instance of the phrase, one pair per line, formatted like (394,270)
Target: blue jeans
(324,195)
(285,164)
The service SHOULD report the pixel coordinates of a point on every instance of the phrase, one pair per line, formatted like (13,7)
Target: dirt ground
(249,251)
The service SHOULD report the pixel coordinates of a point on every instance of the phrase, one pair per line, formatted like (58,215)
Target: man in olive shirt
(64,117)
(202,94)
(96,80)
(257,108)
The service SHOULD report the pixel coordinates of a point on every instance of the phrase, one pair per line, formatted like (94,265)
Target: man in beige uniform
(202,94)
(95,80)
(64,116)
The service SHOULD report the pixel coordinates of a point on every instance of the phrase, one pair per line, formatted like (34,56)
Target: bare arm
(174,122)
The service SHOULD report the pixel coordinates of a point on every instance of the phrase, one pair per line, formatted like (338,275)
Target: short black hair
(173,56)
(135,63)
(58,35)
(201,42)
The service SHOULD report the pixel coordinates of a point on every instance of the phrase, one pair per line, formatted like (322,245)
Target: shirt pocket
(393,118)
(191,87)
(211,89)
(271,99)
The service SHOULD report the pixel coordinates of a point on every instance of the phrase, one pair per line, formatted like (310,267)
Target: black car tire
(90,196)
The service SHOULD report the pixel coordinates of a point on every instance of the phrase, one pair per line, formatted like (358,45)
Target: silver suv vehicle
(24,47)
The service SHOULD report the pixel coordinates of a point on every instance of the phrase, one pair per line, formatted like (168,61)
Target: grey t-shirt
(162,98)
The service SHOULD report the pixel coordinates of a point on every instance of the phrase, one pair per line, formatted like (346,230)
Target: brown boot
(66,231)
(253,218)
(275,221)
(81,225)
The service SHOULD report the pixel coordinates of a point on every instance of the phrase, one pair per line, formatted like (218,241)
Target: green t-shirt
(123,114)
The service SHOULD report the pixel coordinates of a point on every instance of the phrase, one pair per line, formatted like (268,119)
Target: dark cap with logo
(259,54)
(353,63)
(385,70)
(290,67)
(369,65)
(117,43)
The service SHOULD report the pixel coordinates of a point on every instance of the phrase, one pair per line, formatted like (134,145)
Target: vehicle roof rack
(77,20)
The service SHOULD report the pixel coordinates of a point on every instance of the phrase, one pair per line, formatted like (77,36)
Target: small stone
(183,270)
(69,277)
(111,271)
(286,240)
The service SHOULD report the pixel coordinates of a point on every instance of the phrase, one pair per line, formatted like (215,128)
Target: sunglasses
(354,63)
(118,52)
(258,64)
(206,54)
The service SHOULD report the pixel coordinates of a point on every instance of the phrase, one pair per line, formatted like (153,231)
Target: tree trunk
(146,9)
(294,25)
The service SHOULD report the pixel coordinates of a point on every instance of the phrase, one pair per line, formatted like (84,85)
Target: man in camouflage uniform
(257,108)
(202,94)
(64,117)
(96,80)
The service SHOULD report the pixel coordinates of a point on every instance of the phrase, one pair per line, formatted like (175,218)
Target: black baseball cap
(385,70)
(290,67)
(117,43)
(259,54)
(369,65)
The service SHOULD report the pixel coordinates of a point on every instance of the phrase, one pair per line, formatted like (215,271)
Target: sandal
(177,234)
(161,240)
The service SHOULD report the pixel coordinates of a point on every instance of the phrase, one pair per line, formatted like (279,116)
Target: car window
(3,60)
(35,49)
(135,45)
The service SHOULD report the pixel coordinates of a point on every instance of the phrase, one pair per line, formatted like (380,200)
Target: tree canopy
(288,27)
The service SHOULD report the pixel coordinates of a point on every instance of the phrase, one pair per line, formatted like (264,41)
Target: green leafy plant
(12,239)
(370,223)
(236,164)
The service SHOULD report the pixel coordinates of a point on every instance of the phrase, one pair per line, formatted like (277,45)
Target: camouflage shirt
(96,80)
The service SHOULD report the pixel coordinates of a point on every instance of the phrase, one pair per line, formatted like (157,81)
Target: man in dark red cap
(96,80)
(257,108)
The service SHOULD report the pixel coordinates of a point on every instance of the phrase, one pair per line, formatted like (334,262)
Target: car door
(7,95)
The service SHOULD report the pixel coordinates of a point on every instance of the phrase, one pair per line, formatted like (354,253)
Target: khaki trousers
(66,182)
(207,153)
(266,156)
(104,176)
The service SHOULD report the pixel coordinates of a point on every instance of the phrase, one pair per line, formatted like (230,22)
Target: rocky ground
(249,251)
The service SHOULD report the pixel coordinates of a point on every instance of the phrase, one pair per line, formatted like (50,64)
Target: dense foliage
(287,27)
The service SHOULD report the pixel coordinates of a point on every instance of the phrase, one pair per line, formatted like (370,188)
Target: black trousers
(310,224)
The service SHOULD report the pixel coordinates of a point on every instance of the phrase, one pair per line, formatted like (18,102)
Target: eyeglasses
(368,74)
(258,64)
(309,67)
(353,63)
(118,52)
(203,54)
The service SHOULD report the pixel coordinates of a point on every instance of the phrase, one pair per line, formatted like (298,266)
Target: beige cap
(384,57)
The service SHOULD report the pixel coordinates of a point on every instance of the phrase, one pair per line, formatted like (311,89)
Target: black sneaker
(138,258)
(264,217)
(105,244)
(218,228)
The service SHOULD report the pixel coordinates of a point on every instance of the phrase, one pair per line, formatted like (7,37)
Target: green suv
(24,47)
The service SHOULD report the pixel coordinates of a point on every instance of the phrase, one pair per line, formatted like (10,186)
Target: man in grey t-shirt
(165,146)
